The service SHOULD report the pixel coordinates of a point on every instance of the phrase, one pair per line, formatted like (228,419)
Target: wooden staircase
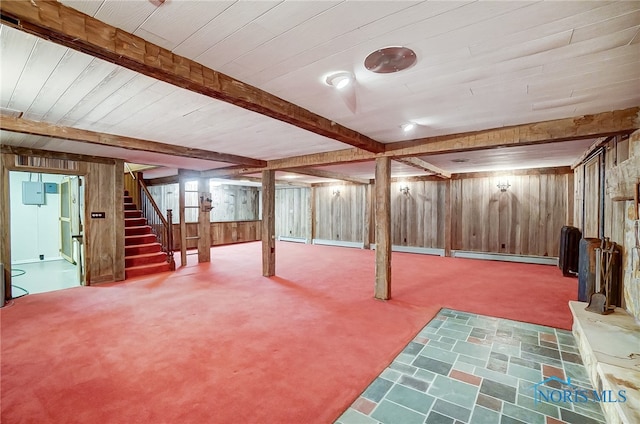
(143,254)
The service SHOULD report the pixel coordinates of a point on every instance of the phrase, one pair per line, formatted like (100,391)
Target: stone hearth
(610,349)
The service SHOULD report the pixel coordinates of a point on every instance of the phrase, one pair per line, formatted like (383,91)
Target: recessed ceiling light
(340,79)
(461,160)
(408,127)
(290,177)
(390,59)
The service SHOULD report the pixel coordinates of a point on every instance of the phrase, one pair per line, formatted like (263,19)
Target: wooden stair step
(135,222)
(145,259)
(139,239)
(140,249)
(139,230)
(132,214)
(128,199)
(137,271)
(130,207)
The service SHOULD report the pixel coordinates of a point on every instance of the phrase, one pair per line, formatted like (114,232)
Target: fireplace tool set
(600,302)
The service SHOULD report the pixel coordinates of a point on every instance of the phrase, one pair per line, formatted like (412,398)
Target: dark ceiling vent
(390,59)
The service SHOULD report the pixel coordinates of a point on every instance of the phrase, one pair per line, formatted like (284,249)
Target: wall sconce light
(503,185)
(404,189)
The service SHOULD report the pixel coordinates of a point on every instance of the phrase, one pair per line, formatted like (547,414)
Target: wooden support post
(268,223)
(311,230)
(383,229)
(5,227)
(183,223)
(447,219)
(204,221)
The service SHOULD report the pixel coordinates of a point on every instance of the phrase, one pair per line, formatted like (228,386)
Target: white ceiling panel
(177,20)
(480,65)
(344,18)
(42,61)
(126,15)
(16,49)
(510,158)
(134,86)
(88,7)
(232,19)
(67,70)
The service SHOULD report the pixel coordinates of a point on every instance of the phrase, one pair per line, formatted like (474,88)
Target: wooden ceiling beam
(581,127)
(327,174)
(27,151)
(68,27)
(425,166)
(577,128)
(26,126)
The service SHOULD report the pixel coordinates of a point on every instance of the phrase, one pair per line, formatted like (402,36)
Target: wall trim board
(293,239)
(339,243)
(540,260)
(414,249)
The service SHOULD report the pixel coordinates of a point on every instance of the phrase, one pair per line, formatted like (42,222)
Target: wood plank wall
(614,212)
(591,202)
(230,202)
(524,220)
(292,212)
(340,217)
(104,246)
(578,182)
(418,217)
(131,185)
(221,233)
(234,203)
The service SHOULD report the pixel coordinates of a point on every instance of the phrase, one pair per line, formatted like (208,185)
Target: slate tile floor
(467,368)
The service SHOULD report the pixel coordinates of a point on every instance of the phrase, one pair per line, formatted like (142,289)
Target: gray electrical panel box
(32,193)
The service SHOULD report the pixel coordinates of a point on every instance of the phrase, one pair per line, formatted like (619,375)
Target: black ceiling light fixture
(390,59)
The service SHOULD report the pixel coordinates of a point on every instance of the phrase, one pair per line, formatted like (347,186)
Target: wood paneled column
(383,228)
(311,225)
(448,228)
(204,222)
(268,223)
(183,223)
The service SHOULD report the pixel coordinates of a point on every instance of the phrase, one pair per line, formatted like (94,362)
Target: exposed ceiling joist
(85,136)
(581,127)
(328,174)
(425,166)
(73,29)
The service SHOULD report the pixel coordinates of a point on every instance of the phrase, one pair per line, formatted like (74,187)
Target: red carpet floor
(218,343)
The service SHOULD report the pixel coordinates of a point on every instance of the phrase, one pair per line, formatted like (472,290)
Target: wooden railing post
(170,239)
